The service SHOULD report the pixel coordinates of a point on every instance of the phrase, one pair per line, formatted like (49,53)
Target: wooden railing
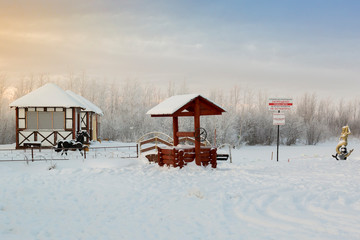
(158,138)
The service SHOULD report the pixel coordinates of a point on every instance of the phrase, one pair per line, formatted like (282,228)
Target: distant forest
(247,120)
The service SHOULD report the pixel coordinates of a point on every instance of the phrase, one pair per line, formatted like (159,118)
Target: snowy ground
(306,195)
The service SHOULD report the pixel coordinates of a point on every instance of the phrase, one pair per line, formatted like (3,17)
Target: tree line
(246,120)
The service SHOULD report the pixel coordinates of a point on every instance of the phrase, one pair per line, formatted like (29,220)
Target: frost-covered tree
(291,132)
(246,121)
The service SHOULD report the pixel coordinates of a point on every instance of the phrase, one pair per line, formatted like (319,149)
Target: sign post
(277,105)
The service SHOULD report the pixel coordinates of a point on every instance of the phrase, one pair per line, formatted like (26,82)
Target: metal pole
(278,143)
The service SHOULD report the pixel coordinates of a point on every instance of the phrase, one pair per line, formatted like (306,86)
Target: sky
(284,47)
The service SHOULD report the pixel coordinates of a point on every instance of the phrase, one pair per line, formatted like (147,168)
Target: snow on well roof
(89,106)
(49,95)
(174,103)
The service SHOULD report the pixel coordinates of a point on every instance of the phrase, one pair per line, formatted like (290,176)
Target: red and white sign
(280,104)
(278,119)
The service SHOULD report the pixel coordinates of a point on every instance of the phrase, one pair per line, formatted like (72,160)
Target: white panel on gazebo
(49,141)
(21,112)
(26,134)
(68,123)
(22,123)
(69,113)
(82,117)
(64,135)
(21,138)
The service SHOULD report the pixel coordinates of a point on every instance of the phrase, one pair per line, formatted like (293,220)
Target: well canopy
(189,105)
(183,105)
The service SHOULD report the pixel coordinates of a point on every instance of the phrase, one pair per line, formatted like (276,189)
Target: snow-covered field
(306,195)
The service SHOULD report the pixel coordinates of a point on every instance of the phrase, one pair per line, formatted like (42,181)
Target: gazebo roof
(183,105)
(89,106)
(49,95)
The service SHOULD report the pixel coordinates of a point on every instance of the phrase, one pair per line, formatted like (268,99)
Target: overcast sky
(285,47)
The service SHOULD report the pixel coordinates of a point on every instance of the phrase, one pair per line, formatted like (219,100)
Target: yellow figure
(341,151)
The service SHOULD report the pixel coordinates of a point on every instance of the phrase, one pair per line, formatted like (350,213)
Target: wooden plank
(189,159)
(189,155)
(148,141)
(73,124)
(175,130)
(162,115)
(166,151)
(164,142)
(187,106)
(197,130)
(188,139)
(205,155)
(204,159)
(17,127)
(188,150)
(156,140)
(169,162)
(147,149)
(206,104)
(168,157)
(185,134)
(185,114)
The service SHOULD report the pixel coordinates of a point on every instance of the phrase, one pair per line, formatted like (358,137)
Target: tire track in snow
(288,207)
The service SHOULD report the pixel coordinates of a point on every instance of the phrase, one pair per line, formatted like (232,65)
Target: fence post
(137,150)
(32,154)
(230,154)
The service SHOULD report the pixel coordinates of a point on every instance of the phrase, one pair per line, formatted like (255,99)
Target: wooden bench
(180,156)
(222,157)
(32,144)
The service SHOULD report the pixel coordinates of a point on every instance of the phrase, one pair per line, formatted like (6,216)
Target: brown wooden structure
(190,105)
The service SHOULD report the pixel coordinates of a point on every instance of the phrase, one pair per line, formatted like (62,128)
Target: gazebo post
(197,131)
(175,130)
(17,127)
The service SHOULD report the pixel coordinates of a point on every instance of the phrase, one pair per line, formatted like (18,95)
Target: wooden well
(191,105)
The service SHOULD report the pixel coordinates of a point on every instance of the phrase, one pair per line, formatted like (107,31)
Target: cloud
(208,44)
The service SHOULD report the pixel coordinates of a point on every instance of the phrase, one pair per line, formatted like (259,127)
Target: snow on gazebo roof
(49,95)
(172,104)
(89,106)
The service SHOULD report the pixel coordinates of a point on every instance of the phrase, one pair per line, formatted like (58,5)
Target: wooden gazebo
(49,114)
(190,105)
